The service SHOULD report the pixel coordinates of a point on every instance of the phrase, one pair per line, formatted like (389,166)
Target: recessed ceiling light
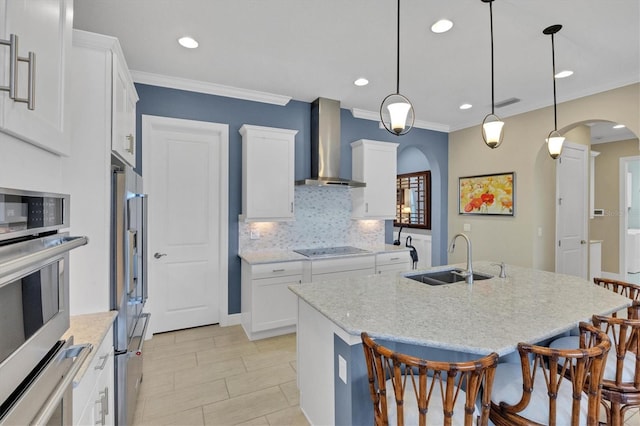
(442,26)
(465,106)
(619,126)
(564,73)
(188,42)
(361,82)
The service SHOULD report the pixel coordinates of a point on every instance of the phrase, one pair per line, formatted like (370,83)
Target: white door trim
(585,224)
(624,216)
(148,123)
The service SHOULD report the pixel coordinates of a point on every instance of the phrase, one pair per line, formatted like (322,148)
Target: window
(413,200)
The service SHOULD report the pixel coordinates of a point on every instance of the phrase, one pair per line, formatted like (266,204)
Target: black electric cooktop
(331,251)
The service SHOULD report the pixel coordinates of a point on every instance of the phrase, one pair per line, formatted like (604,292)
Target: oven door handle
(63,245)
(80,353)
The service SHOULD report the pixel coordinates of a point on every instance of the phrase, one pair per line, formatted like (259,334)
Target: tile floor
(215,376)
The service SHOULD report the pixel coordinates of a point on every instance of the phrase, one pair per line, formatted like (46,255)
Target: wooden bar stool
(621,381)
(552,386)
(632,291)
(409,390)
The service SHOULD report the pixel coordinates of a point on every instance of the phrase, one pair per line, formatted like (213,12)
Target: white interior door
(571,213)
(186,177)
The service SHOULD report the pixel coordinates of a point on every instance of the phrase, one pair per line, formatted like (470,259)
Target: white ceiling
(305,49)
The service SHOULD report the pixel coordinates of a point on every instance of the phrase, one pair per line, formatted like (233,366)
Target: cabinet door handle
(292,207)
(366,207)
(13,73)
(104,406)
(31,83)
(104,359)
(130,139)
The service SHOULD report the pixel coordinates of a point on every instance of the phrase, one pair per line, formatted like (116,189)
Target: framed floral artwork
(487,194)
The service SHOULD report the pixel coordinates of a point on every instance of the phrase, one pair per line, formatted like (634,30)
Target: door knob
(159,255)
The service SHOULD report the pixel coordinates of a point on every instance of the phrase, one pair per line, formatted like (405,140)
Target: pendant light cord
(398,53)
(553,62)
(492,82)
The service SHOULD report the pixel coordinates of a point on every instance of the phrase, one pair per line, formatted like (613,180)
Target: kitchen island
(452,322)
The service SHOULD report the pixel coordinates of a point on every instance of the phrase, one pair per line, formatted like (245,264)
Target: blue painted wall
(295,115)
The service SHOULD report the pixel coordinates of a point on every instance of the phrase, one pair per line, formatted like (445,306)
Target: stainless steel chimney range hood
(325,146)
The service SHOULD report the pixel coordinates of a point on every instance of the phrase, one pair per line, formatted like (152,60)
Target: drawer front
(100,363)
(279,269)
(342,264)
(393,269)
(342,274)
(392,258)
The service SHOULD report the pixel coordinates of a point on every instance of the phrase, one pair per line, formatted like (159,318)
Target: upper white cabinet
(87,172)
(268,167)
(374,163)
(41,34)
(125,97)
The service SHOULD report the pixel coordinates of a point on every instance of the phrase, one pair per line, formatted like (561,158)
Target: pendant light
(398,107)
(555,141)
(492,126)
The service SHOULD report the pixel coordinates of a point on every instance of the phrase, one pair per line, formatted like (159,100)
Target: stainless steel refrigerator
(128,285)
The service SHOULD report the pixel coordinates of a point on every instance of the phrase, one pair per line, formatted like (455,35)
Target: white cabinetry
(391,263)
(93,402)
(42,27)
(87,172)
(269,308)
(595,259)
(375,164)
(267,174)
(342,267)
(124,98)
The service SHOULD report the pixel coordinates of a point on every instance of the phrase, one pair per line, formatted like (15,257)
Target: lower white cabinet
(392,263)
(269,308)
(342,267)
(93,402)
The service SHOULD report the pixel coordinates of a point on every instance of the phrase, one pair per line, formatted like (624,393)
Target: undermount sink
(445,277)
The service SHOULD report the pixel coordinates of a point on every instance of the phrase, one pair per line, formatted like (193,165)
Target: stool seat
(415,391)
(552,386)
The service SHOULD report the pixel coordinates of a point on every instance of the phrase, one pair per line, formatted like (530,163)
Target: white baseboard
(231,319)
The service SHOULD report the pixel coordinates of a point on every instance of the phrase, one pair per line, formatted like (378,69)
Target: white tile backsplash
(322,219)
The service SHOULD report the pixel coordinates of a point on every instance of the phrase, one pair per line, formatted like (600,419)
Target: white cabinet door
(44,28)
(268,167)
(123,141)
(269,308)
(375,164)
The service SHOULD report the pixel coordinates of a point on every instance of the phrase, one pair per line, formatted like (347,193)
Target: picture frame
(491,194)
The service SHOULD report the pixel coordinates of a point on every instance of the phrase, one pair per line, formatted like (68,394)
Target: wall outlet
(255,235)
(539,231)
(342,369)
(466,227)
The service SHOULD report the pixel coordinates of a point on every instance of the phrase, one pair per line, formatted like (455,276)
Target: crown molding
(209,88)
(421,124)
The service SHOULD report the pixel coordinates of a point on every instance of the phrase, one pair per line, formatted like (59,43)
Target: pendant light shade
(492,126)
(555,140)
(396,111)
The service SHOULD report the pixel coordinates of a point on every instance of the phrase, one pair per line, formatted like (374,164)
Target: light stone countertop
(491,315)
(271,256)
(89,328)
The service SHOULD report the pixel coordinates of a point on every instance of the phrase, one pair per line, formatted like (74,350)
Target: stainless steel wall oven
(36,365)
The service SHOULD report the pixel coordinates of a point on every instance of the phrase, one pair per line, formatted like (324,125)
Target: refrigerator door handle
(131,262)
(143,317)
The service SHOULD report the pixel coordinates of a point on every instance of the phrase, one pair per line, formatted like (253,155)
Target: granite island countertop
(491,315)
(89,328)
